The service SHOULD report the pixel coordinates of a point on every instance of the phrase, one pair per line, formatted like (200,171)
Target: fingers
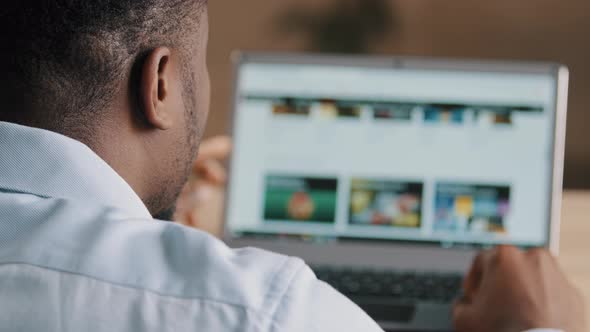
(483,265)
(211,171)
(464,313)
(474,277)
(478,283)
(204,209)
(464,316)
(208,165)
(485,262)
(507,287)
(217,148)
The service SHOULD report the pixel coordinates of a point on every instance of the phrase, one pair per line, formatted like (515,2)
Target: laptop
(387,175)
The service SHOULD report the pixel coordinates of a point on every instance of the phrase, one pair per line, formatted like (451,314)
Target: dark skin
(150,132)
(146,140)
(509,290)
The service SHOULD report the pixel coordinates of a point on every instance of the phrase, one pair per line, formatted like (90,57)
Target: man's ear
(155,87)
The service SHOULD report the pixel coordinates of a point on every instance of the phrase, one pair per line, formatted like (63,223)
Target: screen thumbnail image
(493,115)
(330,108)
(300,199)
(385,203)
(444,113)
(291,106)
(400,112)
(471,208)
(502,116)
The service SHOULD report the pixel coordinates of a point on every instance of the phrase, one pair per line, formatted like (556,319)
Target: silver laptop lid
(396,150)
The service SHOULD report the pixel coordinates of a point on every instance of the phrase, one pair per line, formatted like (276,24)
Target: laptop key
(386,311)
(390,284)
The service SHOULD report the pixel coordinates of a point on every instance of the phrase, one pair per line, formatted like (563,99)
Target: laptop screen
(336,152)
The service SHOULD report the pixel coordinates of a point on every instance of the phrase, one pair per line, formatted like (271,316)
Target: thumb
(212,171)
(217,148)
(465,316)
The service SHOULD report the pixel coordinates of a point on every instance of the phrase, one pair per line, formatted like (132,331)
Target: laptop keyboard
(403,286)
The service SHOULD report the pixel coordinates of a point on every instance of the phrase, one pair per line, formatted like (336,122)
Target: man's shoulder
(160,257)
(165,267)
(198,265)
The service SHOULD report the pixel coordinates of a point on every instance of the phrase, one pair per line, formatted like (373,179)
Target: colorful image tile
(471,208)
(444,114)
(291,106)
(398,112)
(385,203)
(503,117)
(349,109)
(495,115)
(300,199)
(332,109)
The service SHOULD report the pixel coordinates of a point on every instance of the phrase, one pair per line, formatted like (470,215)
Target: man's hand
(200,204)
(508,290)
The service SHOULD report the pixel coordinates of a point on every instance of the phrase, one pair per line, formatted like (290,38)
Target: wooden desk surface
(575,241)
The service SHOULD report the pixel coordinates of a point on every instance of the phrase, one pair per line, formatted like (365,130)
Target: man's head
(126,77)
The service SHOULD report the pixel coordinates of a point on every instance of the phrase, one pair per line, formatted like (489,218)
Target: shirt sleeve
(312,305)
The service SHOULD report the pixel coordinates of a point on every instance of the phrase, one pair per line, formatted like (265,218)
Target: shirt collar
(48,164)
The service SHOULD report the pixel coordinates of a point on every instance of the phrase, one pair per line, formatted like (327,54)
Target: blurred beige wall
(501,29)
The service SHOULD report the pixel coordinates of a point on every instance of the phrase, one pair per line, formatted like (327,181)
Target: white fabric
(80,252)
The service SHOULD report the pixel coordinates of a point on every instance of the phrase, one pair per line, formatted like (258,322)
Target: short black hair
(67,55)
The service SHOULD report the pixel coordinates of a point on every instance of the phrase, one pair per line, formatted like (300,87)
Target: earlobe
(154,88)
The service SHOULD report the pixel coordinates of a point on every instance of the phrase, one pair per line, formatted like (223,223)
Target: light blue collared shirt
(80,252)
